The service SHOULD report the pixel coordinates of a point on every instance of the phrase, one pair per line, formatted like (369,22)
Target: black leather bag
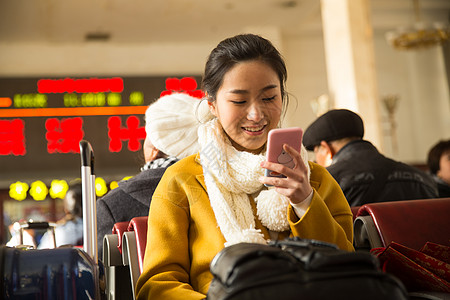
(299,269)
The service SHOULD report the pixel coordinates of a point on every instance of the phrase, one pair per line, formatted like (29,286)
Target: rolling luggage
(60,273)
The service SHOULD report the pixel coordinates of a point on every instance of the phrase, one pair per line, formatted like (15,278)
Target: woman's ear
(212,107)
(150,152)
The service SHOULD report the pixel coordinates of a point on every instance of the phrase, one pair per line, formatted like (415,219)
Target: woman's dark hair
(435,153)
(241,48)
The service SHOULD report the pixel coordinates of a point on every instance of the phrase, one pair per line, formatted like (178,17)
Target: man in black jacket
(363,173)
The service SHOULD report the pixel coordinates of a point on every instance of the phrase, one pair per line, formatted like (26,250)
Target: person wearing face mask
(363,173)
(217,198)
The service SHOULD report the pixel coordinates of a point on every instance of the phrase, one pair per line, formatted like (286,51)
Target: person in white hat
(164,144)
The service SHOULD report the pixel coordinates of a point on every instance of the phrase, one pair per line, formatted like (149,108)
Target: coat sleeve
(329,217)
(167,265)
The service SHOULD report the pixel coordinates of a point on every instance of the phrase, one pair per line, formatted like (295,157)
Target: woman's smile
(254,129)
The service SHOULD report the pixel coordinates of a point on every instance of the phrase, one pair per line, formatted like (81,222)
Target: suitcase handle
(37,225)
(87,155)
(89,198)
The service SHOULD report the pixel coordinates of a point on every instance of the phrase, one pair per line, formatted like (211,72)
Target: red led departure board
(43,119)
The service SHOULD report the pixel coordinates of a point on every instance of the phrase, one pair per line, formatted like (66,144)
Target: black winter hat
(333,125)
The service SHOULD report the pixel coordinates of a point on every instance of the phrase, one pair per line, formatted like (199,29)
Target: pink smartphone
(275,153)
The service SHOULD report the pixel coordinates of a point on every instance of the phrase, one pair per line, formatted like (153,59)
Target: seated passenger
(161,149)
(217,197)
(364,174)
(439,165)
(69,229)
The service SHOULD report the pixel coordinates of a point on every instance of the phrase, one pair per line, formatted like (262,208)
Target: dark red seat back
(119,228)
(139,226)
(411,223)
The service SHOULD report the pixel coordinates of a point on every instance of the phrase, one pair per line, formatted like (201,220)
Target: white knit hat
(171,123)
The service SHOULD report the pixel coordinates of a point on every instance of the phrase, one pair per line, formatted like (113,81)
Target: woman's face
(248,104)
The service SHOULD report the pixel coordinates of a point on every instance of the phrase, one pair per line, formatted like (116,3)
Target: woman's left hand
(296,185)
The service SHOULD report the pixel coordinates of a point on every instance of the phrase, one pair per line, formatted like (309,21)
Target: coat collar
(200,177)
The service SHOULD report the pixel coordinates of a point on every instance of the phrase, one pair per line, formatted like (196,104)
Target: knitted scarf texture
(231,177)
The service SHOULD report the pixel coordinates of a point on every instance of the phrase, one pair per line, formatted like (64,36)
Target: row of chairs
(411,223)
(123,257)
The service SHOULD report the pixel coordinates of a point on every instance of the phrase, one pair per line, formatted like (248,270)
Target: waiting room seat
(411,223)
(133,248)
(119,229)
(118,284)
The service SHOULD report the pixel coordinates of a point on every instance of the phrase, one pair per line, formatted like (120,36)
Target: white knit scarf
(230,177)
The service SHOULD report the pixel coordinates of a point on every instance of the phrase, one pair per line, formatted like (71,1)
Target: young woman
(217,198)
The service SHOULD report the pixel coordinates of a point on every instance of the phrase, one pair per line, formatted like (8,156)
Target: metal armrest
(130,257)
(111,254)
(366,235)
(117,275)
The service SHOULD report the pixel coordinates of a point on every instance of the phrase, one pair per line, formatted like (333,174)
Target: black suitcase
(60,273)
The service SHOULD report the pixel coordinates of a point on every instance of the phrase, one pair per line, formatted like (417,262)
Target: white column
(429,100)
(349,54)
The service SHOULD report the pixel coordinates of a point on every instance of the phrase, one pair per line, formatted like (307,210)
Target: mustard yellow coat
(183,236)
